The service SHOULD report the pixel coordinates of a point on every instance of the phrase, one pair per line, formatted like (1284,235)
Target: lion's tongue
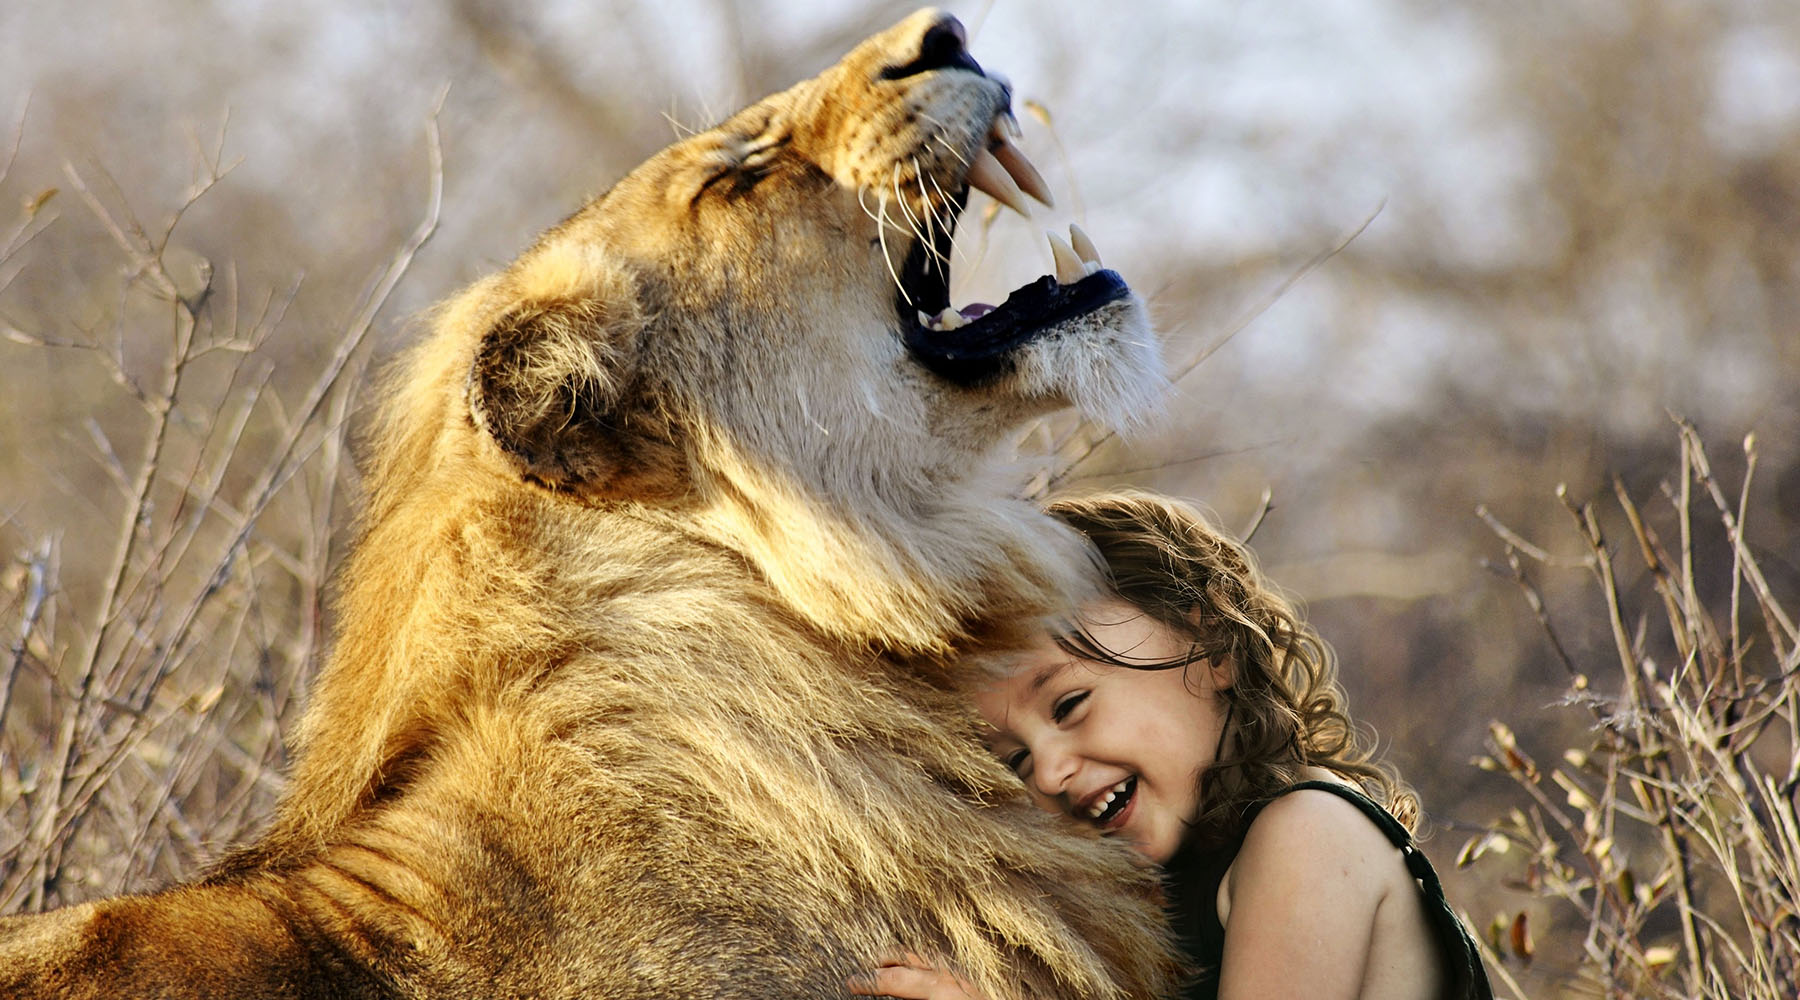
(975,310)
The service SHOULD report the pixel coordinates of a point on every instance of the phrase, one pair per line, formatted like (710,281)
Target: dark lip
(980,351)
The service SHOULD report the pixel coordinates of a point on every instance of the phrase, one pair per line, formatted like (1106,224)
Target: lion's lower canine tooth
(989,177)
(1069,268)
(1023,173)
(1083,246)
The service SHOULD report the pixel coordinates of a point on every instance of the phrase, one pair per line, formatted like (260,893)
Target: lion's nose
(944,45)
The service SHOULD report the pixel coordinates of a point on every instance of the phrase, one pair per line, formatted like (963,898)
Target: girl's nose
(1052,767)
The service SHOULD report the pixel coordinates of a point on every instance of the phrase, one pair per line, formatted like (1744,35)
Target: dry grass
(153,666)
(1671,833)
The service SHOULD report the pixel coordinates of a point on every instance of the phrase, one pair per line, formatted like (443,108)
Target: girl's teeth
(1101,803)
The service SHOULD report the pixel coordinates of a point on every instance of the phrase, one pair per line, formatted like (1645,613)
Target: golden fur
(672,557)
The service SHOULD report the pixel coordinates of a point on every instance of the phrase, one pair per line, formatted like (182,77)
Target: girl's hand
(910,977)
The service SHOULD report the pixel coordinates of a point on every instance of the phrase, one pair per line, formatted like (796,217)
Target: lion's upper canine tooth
(1069,268)
(1022,172)
(989,177)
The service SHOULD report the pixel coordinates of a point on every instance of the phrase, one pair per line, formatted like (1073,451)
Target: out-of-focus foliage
(1570,219)
(153,663)
(1670,828)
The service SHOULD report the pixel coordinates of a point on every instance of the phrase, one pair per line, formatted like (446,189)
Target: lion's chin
(1106,362)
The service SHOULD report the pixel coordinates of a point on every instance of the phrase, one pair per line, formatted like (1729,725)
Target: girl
(1195,716)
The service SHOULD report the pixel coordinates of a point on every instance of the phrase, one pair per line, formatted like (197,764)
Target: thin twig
(36,592)
(1256,311)
(1263,508)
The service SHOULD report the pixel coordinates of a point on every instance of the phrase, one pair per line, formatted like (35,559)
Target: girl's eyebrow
(1044,675)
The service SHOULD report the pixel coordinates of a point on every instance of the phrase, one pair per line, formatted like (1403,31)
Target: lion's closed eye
(737,165)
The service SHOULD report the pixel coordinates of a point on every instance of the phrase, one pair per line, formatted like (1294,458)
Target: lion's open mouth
(970,344)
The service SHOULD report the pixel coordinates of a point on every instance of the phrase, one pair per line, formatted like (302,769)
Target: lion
(683,536)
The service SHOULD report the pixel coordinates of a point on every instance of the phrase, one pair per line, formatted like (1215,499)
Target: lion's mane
(680,535)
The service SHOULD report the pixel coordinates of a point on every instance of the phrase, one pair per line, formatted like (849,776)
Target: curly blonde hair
(1285,707)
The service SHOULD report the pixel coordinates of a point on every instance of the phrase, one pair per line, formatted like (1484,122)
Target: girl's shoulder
(1320,891)
(1313,839)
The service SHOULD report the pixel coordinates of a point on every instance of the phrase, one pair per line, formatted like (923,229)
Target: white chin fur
(1107,364)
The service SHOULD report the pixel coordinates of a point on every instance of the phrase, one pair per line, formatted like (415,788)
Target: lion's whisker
(925,200)
(945,201)
(925,227)
(938,137)
(880,220)
(887,256)
(912,221)
(880,223)
(926,208)
(952,150)
(934,206)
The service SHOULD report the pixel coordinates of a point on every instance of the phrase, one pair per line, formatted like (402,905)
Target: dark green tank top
(1194,876)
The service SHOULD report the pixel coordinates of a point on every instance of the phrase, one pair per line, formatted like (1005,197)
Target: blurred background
(1412,257)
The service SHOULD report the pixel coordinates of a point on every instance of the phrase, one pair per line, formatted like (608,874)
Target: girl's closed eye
(1017,760)
(1067,704)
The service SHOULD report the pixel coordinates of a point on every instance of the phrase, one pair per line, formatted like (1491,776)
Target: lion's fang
(1012,159)
(1069,267)
(987,175)
(1084,247)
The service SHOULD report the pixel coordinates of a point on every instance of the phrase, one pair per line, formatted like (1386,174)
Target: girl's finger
(909,983)
(908,958)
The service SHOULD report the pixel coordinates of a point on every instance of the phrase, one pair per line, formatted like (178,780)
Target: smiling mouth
(1108,806)
(971,344)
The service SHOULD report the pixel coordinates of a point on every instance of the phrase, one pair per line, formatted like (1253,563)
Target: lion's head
(754,328)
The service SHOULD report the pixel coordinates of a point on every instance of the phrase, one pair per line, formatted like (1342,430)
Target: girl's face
(1114,746)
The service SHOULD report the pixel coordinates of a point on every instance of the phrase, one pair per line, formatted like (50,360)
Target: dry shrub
(150,667)
(1670,828)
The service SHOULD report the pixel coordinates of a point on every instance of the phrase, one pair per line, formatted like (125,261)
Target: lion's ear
(555,384)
